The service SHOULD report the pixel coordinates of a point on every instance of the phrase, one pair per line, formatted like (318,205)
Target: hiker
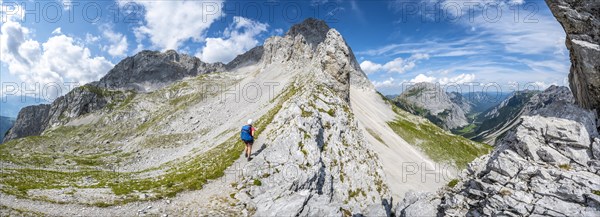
(247,135)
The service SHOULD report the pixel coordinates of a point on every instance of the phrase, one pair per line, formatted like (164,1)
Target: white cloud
(57,31)
(60,59)
(238,38)
(370,67)
(11,11)
(89,38)
(540,85)
(316,3)
(470,45)
(168,24)
(423,78)
(397,65)
(117,46)
(385,84)
(533,31)
(459,79)
(278,31)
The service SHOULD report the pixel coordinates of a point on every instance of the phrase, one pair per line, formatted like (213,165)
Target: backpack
(246,134)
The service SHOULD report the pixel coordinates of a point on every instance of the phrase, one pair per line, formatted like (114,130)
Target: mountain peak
(313,30)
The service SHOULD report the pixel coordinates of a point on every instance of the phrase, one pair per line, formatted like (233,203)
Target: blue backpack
(246,134)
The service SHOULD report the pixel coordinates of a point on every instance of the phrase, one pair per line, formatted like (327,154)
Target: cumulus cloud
(398,65)
(89,38)
(238,38)
(58,60)
(168,24)
(459,79)
(117,46)
(370,67)
(11,11)
(423,78)
(385,83)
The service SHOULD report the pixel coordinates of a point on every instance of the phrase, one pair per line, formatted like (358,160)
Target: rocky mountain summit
(151,70)
(447,110)
(581,21)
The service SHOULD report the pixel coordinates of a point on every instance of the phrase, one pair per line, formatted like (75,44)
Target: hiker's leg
(249,149)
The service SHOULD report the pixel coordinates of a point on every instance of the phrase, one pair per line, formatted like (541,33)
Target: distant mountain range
(481,116)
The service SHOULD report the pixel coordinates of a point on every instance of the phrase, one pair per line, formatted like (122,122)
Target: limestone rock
(541,167)
(581,21)
(150,70)
(431,101)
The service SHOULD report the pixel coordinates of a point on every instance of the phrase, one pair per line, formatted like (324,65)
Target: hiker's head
(249,121)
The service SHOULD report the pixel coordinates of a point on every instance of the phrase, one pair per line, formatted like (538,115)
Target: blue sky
(516,44)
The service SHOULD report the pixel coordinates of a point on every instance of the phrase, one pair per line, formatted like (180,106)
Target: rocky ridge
(151,70)
(581,21)
(33,120)
(497,120)
(317,131)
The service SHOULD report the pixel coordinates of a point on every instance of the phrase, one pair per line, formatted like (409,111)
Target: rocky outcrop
(432,102)
(33,120)
(251,57)
(544,166)
(150,70)
(312,42)
(5,124)
(581,21)
(502,117)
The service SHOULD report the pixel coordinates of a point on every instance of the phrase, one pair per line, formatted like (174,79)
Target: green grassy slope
(47,166)
(440,145)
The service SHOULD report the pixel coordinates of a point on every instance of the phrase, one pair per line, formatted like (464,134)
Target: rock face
(502,117)
(251,57)
(151,70)
(5,124)
(313,42)
(581,21)
(446,110)
(544,166)
(33,120)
